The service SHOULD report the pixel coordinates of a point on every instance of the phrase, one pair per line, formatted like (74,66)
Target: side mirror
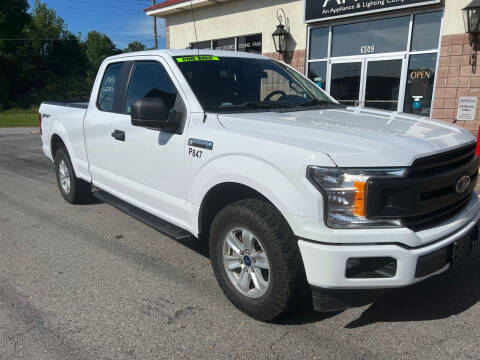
(152,113)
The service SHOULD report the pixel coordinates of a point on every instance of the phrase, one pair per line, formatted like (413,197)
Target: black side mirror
(152,113)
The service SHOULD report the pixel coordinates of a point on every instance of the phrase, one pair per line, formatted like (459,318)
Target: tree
(45,60)
(135,46)
(55,57)
(13,20)
(98,47)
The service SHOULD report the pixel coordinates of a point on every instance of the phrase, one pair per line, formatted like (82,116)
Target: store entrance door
(368,82)
(346,81)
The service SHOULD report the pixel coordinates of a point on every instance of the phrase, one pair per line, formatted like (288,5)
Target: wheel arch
(56,143)
(222,195)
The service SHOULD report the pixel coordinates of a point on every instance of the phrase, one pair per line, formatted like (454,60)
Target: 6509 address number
(367,49)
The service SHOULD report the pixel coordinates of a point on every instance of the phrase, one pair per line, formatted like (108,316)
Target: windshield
(230,84)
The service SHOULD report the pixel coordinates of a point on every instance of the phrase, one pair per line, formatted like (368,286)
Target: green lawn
(18,119)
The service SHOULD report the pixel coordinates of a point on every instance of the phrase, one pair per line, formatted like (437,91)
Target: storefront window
(370,63)
(426,31)
(201,45)
(247,43)
(371,37)
(251,43)
(317,72)
(224,44)
(420,80)
(319,43)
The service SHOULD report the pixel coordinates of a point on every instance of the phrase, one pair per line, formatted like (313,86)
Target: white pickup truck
(296,194)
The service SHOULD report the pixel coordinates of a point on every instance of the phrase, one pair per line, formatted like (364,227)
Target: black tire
(287,283)
(80,190)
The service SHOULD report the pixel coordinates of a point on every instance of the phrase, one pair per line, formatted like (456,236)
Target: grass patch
(27,118)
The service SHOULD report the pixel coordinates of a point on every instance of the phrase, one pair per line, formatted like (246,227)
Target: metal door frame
(364,60)
(403,77)
(349,60)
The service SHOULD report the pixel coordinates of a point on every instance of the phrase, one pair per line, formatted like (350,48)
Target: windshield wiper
(314,102)
(266,104)
(255,105)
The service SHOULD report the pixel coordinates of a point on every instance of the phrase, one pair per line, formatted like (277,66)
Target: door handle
(118,135)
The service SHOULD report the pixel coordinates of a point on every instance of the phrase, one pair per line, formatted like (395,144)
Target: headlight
(346,191)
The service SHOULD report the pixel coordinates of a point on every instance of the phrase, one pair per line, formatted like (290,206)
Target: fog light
(352,262)
(371,268)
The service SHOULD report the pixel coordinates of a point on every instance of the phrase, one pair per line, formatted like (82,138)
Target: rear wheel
(73,189)
(256,259)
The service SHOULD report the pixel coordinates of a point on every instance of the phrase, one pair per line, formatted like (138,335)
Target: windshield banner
(320,10)
(197,58)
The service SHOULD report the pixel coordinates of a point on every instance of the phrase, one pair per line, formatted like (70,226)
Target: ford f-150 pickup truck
(296,194)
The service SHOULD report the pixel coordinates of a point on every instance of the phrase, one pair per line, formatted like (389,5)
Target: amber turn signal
(359,204)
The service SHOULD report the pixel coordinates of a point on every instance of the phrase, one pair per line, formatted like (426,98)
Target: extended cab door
(149,163)
(98,122)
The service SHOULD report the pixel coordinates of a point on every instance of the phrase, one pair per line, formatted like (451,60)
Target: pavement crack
(177,315)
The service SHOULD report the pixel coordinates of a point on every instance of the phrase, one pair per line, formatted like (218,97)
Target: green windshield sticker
(197,58)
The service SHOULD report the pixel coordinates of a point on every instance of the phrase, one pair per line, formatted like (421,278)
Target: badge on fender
(199,143)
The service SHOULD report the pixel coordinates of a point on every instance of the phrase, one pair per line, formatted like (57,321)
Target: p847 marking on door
(195,153)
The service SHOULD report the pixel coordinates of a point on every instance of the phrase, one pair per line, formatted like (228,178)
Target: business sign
(320,10)
(467,107)
(250,43)
(224,44)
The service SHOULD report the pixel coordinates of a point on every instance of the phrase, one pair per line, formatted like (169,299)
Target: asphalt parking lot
(89,282)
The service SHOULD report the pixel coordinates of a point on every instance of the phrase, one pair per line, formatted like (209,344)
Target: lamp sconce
(471,20)
(281,35)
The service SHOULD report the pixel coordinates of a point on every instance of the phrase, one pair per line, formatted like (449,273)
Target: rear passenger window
(108,87)
(150,79)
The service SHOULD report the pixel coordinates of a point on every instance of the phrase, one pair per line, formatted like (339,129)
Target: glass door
(382,84)
(373,82)
(346,81)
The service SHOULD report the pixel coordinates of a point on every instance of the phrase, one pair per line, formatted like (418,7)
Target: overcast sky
(122,20)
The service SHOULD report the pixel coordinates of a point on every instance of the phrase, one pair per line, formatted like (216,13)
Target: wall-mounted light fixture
(281,36)
(471,19)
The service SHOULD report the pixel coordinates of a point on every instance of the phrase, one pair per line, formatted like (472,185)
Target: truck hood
(353,137)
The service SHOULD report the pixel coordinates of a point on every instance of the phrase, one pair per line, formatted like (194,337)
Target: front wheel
(256,259)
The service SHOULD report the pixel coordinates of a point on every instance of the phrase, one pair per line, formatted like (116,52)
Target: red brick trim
(295,59)
(455,78)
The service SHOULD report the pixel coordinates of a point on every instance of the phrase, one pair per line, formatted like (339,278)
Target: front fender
(291,193)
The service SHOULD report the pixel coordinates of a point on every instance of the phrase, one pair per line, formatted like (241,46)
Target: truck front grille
(427,195)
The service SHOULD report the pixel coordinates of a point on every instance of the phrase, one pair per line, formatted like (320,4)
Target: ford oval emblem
(462,184)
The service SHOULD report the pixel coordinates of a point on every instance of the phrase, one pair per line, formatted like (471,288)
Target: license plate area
(460,249)
(451,254)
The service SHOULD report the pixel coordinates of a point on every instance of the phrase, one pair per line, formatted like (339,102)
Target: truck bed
(74,104)
(62,118)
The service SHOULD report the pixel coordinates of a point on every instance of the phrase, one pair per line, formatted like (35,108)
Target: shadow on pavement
(305,314)
(440,297)
(200,246)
